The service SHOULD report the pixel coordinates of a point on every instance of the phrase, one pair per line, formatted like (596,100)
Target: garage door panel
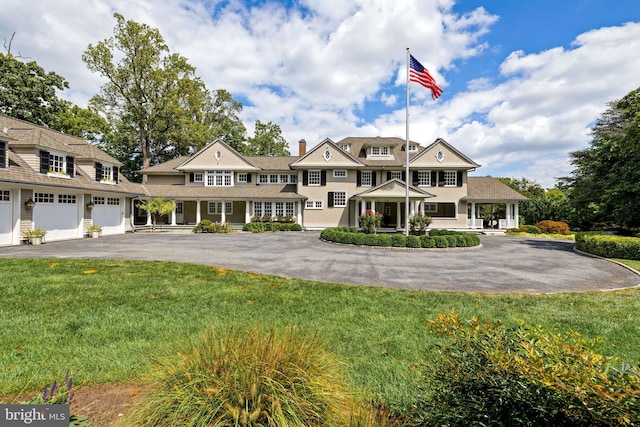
(109,218)
(6,222)
(58,214)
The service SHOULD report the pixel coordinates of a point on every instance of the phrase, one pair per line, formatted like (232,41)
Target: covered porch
(495,216)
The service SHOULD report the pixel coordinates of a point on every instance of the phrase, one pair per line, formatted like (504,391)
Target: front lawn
(105,320)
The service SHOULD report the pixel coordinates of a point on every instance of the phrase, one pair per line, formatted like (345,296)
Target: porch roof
(488,189)
(395,189)
(238,192)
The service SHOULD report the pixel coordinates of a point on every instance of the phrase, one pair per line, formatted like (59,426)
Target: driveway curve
(502,264)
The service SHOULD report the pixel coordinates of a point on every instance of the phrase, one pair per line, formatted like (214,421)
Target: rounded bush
(398,240)
(531,229)
(441,241)
(553,227)
(413,242)
(427,242)
(247,378)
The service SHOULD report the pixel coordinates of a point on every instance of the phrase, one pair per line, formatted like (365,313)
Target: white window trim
(343,203)
(243,177)
(212,176)
(317,174)
(5,196)
(428,180)
(314,204)
(380,151)
(455,178)
(430,207)
(198,177)
(340,173)
(369,182)
(218,206)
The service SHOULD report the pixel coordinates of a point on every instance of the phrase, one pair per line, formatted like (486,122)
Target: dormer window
(379,151)
(413,147)
(57,164)
(106,174)
(345,147)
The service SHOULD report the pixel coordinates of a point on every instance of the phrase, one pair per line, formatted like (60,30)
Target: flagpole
(406,151)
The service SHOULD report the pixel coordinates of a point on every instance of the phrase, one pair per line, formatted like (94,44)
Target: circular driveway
(502,264)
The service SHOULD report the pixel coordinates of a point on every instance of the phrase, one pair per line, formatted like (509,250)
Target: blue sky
(523,81)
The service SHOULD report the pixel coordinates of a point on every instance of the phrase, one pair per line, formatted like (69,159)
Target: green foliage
(553,227)
(248,378)
(267,141)
(609,246)
(435,239)
(441,241)
(531,229)
(490,374)
(413,242)
(605,183)
(30,93)
(427,242)
(418,223)
(398,240)
(156,105)
(207,226)
(370,221)
(157,206)
(261,227)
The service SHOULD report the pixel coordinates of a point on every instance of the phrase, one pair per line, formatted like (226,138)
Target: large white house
(64,184)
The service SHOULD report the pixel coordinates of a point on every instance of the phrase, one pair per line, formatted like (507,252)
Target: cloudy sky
(523,80)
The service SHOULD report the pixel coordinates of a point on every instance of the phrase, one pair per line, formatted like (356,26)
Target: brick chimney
(302,147)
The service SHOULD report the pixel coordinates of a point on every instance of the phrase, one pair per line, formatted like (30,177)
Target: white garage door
(6,217)
(58,214)
(108,214)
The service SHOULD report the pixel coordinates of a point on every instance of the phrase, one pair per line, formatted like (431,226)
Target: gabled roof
(489,189)
(165,168)
(327,142)
(395,188)
(31,135)
(273,163)
(186,166)
(449,147)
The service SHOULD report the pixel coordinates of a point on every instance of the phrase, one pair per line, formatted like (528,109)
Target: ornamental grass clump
(248,378)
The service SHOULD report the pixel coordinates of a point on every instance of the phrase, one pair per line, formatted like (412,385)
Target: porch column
(173,216)
(373,206)
(422,207)
(508,214)
(247,212)
(398,215)
(299,212)
(223,212)
(356,213)
(363,206)
(516,214)
(149,222)
(473,214)
(198,215)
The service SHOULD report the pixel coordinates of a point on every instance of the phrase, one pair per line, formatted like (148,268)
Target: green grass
(106,320)
(543,236)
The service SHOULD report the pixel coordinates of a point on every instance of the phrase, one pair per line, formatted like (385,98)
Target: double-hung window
(215,208)
(450,178)
(424,178)
(365,178)
(315,177)
(379,151)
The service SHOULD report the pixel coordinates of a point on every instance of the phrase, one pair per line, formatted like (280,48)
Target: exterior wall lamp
(90,206)
(29,204)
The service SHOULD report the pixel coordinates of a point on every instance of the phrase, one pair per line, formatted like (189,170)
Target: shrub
(204,226)
(384,240)
(427,242)
(247,378)
(609,246)
(413,242)
(418,223)
(398,240)
(553,227)
(370,221)
(490,374)
(441,241)
(531,229)
(260,227)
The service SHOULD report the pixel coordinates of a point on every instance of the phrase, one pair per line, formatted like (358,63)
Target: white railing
(474,223)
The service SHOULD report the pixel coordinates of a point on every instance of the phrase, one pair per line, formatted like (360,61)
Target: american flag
(419,74)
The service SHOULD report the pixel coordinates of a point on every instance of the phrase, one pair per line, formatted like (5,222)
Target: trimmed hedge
(435,239)
(608,246)
(531,229)
(259,227)
(553,227)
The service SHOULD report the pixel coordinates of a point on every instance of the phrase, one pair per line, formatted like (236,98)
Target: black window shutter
(44,161)
(459,179)
(3,154)
(373,178)
(359,178)
(70,167)
(115,174)
(191,177)
(98,171)
(249,178)
(323,177)
(305,177)
(388,176)
(404,176)
(416,179)
(433,178)
(331,198)
(441,179)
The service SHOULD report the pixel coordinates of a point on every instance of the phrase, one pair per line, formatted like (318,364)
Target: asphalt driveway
(502,264)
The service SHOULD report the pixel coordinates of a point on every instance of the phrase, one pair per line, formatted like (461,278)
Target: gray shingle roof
(489,189)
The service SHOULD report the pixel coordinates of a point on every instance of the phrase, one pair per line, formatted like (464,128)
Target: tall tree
(267,141)
(226,122)
(605,185)
(150,93)
(28,92)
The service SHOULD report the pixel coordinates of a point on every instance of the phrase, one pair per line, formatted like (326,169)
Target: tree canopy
(267,141)
(158,107)
(604,187)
